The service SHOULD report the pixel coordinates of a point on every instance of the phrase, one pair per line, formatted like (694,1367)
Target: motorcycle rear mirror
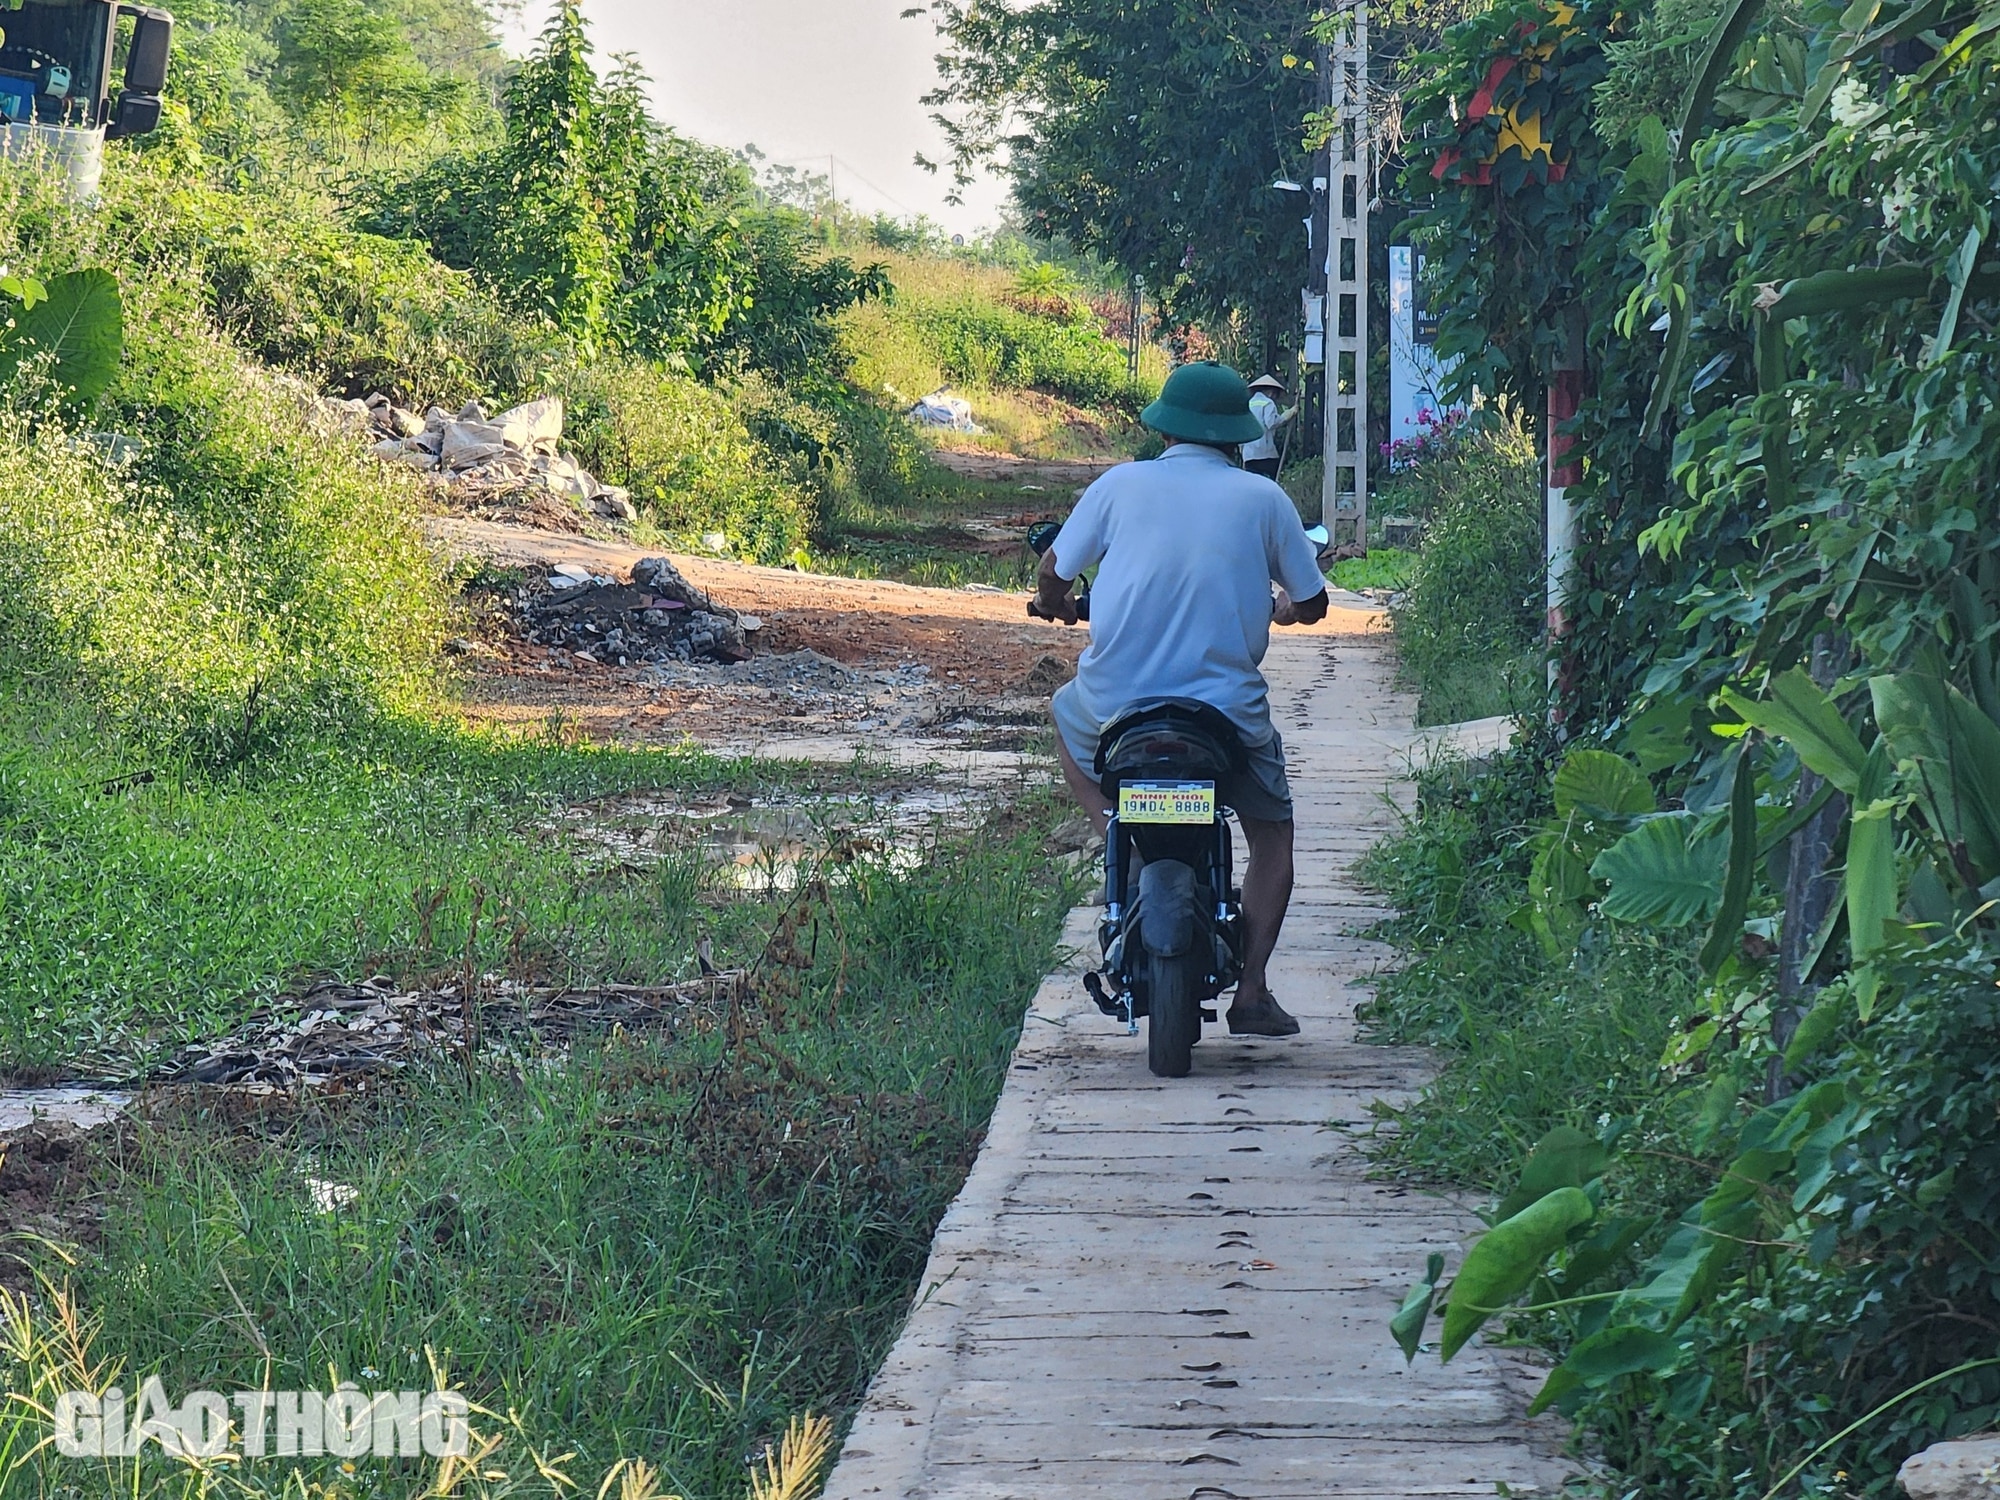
(1042,536)
(1317,535)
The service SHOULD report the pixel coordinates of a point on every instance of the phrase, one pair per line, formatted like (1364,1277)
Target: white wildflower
(1898,201)
(1850,103)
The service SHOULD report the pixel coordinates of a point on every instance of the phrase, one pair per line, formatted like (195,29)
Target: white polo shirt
(1181,607)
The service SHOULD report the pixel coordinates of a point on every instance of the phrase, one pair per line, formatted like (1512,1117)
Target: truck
(56,63)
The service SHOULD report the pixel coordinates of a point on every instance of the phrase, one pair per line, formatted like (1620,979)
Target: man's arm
(1286,611)
(1052,591)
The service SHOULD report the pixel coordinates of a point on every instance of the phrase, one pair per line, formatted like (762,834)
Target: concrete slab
(1181,1288)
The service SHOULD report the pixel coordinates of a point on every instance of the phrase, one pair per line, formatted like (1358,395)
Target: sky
(805,81)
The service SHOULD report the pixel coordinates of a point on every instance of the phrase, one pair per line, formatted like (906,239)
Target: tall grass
(956,323)
(249,574)
(1529,1040)
(1469,624)
(664,1249)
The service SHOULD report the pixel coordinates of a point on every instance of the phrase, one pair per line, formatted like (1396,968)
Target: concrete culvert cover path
(1181,1289)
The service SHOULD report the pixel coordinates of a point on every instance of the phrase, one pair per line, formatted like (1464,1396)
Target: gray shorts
(1261,792)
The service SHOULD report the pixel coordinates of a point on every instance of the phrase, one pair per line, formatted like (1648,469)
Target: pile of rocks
(520,450)
(658,617)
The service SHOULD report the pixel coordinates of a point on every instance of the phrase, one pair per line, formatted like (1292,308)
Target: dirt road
(957,666)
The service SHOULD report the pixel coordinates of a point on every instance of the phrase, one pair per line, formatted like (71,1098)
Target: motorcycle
(1172,931)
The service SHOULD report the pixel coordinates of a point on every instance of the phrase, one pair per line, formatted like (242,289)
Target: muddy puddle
(757,845)
(79,1107)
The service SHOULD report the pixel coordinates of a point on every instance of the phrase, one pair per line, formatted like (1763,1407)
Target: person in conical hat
(1260,454)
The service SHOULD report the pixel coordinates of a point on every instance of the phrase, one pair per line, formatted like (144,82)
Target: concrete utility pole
(1565,468)
(1344,495)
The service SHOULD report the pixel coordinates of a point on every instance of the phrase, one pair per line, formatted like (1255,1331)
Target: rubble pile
(517,452)
(658,617)
(337,1031)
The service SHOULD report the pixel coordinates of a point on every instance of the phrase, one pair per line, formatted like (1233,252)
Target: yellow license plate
(1166,802)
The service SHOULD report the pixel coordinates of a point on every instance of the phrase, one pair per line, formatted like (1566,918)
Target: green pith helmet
(1204,403)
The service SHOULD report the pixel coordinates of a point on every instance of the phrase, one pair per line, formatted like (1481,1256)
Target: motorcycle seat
(1166,738)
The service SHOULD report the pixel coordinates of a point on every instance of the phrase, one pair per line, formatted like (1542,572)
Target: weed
(1468,626)
(665,1249)
(1382,568)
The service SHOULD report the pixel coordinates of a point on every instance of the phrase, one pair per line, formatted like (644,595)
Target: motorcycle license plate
(1166,802)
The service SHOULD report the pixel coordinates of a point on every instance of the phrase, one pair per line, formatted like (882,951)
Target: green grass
(137,913)
(1527,1041)
(1382,568)
(1470,620)
(954,322)
(664,1248)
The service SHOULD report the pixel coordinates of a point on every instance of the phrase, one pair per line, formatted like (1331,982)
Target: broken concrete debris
(1965,1468)
(658,617)
(336,1033)
(518,450)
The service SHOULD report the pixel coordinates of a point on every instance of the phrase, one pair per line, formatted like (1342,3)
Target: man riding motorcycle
(1188,549)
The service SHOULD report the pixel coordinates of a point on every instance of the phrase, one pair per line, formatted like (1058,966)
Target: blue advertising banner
(1415,372)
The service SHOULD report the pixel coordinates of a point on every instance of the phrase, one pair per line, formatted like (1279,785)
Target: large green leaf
(1743,859)
(1408,1324)
(1663,873)
(1798,711)
(1508,1257)
(1598,782)
(1871,858)
(1565,1157)
(1956,751)
(79,327)
(1625,1349)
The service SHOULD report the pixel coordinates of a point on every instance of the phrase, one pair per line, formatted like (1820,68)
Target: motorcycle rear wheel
(1173,1024)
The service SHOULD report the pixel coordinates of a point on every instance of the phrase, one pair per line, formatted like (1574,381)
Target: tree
(567,183)
(1148,132)
(351,70)
(595,216)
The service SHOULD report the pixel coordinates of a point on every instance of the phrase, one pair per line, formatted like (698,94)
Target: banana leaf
(1798,711)
(1955,750)
(1871,858)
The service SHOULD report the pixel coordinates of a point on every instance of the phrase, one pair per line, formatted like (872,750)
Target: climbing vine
(1782,696)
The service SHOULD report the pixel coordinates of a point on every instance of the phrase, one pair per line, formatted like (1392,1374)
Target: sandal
(1261,1017)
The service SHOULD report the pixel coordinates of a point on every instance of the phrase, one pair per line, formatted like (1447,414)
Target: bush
(296,289)
(249,576)
(1469,627)
(686,456)
(844,446)
(951,322)
(987,344)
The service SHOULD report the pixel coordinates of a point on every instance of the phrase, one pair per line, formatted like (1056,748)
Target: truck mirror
(146,63)
(137,114)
